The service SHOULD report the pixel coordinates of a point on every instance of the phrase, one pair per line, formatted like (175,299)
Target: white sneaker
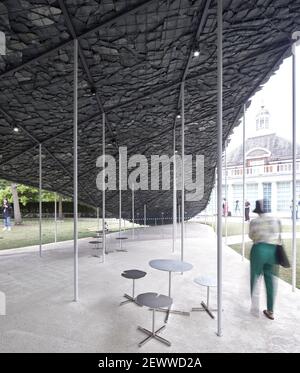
(4,229)
(9,228)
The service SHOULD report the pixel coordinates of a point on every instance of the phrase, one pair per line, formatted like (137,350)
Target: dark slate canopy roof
(134,54)
(280,149)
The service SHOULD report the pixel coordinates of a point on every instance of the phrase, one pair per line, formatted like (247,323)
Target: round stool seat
(153,300)
(134,274)
(95,242)
(206,281)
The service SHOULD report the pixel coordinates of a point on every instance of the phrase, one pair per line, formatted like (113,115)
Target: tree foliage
(26,193)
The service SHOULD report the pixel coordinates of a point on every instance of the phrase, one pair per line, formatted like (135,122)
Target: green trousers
(263,262)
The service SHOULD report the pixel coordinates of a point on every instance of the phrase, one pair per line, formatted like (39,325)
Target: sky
(276,96)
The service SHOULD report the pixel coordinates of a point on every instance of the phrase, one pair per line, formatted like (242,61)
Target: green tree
(23,193)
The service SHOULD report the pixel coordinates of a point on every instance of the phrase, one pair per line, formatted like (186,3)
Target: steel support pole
(120,197)
(98,219)
(145,214)
(174,192)
(55,217)
(103,188)
(182,175)
(75,165)
(215,216)
(132,207)
(219,156)
(244,182)
(40,199)
(226,194)
(294,140)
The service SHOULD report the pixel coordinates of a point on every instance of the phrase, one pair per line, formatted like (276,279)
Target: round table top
(121,238)
(153,300)
(94,242)
(206,281)
(170,265)
(134,274)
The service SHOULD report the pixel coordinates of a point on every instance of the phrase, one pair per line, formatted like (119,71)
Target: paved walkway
(42,317)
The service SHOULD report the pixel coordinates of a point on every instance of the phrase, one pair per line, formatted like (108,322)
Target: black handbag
(281,257)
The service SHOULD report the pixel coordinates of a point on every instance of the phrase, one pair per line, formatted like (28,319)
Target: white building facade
(268,171)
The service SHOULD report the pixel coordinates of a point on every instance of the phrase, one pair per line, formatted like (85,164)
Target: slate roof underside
(135,55)
(280,149)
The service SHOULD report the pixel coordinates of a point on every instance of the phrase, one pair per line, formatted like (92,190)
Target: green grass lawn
(27,234)
(284,273)
(235,228)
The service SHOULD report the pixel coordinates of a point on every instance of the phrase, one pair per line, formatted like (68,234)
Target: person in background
(225,207)
(6,212)
(237,207)
(291,208)
(264,231)
(247,210)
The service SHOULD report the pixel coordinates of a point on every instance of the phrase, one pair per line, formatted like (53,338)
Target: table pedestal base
(206,309)
(176,312)
(96,255)
(109,251)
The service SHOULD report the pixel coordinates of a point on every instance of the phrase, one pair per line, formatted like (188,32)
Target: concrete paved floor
(41,316)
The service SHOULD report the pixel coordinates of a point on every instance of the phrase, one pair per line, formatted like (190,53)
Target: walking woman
(264,231)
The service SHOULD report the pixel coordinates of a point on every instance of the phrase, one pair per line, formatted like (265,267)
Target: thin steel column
(219,154)
(182,176)
(244,182)
(294,240)
(215,216)
(98,220)
(132,212)
(103,188)
(174,192)
(120,197)
(145,216)
(55,217)
(75,156)
(40,199)
(226,194)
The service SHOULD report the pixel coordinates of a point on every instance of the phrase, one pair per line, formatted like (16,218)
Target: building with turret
(268,170)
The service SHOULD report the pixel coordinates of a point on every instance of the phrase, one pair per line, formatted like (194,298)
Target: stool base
(154,335)
(129,299)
